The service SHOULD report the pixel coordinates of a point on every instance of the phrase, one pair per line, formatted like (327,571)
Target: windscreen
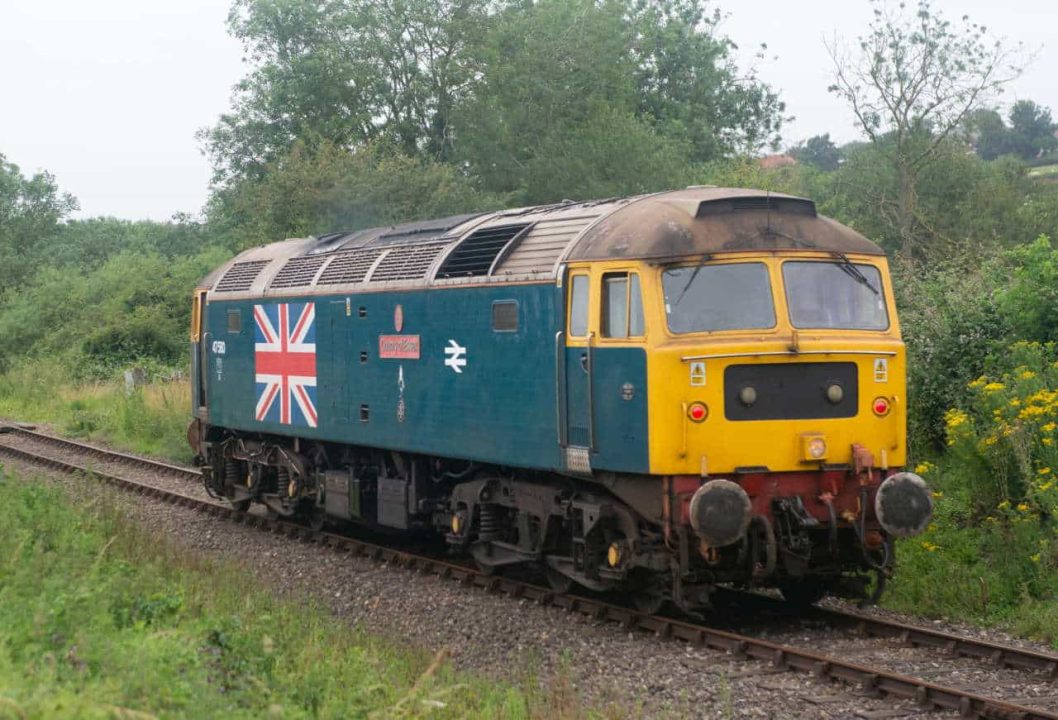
(835,295)
(708,298)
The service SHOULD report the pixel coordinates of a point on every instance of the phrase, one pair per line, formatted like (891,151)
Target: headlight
(747,395)
(813,448)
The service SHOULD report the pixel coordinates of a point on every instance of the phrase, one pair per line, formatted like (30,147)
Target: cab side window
(578,306)
(622,306)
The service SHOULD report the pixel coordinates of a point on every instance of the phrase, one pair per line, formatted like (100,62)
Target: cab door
(606,371)
(619,372)
(578,370)
(199,353)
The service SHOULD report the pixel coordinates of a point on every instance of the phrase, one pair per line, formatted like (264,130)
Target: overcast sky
(107,94)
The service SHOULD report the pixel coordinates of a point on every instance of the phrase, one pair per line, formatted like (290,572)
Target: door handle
(584,362)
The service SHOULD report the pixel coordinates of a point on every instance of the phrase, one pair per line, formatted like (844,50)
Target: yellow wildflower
(991,440)
(938,495)
(1035,558)
(1027,375)
(1049,427)
(1023,507)
(1014,402)
(1048,441)
(1045,471)
(923,468)
(929,547)
(1003,505)
(979,382)
(955,418)
(1046,486)
(994,387)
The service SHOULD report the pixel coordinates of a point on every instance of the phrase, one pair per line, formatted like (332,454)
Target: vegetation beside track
(991,553)
(100,620)
(151,420)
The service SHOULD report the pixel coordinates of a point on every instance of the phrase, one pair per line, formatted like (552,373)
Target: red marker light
(880,406)
(697,412)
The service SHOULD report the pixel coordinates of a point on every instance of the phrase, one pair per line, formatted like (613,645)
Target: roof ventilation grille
(240,276)
(349,267)
(298,271)
(407,262)
(791,206)
(474,256)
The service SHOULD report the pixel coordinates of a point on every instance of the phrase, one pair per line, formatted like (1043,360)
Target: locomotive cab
(775,399)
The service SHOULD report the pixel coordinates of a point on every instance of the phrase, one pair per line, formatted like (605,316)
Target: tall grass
(152,420)
(99,619)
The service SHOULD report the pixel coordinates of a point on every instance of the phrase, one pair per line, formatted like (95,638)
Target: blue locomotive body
(469,374)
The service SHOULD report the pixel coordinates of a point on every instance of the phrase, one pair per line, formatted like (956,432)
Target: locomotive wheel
(804,592)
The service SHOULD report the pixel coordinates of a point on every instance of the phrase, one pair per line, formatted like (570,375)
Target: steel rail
(822,667)
(913,635)
(954,645)
(189,473)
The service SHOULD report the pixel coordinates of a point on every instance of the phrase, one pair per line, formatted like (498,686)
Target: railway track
(1035,669)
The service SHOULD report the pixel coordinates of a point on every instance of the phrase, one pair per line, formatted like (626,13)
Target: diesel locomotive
(654,395)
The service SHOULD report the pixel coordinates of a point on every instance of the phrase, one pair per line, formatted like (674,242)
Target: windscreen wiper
(697,269)
(854,272)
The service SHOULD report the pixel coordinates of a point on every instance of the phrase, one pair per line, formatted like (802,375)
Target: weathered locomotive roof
(531,243)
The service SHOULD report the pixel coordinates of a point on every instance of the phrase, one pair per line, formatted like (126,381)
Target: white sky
(107,94)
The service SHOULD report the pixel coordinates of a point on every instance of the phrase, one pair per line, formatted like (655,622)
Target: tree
(1032,130)
(346,72)
(486,85)
(913,82)
(31,209)
(1030,135)
(325,188)
(987,132)
(556,112)
(819,152)
(688,86)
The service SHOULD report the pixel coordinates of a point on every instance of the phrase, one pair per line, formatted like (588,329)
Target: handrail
(889,353)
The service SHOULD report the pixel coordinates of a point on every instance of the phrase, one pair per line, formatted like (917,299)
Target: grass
(98,619)
(1047,174)
(152,420)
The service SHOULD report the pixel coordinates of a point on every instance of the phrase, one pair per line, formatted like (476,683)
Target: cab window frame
(578,308)
(776,294)
(887,306)
(632,310)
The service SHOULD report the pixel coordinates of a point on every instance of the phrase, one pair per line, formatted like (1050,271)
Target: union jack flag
(285,363)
